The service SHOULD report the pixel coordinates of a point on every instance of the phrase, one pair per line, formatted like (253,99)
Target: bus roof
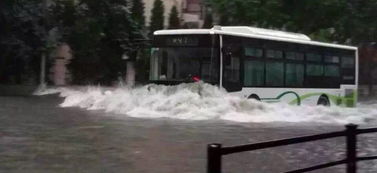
(252,32)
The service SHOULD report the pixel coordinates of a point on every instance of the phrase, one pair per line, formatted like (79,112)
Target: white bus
(262,64)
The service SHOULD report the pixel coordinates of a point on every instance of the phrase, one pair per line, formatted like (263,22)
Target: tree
(358,24)
(251,12)
(157,18)
(174,22)
(350,22)
(65,15)
(137,12)
(24,37)
(368,66)
(104,31)
(208,21)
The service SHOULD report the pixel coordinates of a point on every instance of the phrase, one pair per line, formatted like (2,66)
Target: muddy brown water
(36,135)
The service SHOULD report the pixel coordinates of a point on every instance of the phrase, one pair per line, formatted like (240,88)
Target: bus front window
(184,64)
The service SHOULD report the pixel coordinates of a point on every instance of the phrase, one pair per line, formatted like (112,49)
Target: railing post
(351,147)
(214,158)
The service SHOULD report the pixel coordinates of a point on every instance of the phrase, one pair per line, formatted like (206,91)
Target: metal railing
(216,151)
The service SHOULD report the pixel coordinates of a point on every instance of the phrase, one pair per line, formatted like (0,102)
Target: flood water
(37,134)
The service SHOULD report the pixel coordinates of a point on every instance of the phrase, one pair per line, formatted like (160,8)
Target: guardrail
(216,151)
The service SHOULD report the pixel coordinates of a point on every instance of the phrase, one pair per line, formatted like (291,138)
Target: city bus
(262,64)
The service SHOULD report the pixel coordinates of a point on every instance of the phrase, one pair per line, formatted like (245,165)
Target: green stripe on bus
(335,99)
(298,99)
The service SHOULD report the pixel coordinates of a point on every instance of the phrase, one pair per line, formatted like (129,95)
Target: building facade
(191,12)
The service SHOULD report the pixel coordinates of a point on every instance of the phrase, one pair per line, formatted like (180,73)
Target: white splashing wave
(200,101)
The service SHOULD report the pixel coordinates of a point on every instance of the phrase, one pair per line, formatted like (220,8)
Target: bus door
(231,65)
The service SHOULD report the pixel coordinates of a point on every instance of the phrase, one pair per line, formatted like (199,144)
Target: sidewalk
(17,90)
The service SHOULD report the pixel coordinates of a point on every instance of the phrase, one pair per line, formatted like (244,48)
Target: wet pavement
(36,135)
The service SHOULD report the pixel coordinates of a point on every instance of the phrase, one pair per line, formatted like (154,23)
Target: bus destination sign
(182,41)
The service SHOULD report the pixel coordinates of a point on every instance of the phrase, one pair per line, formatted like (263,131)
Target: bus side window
(274,73)
(314,68)
(253,73)
(253,52)
(348,62)
(274,63)
(294,75)
(294,67)
(331,71)
(253,66)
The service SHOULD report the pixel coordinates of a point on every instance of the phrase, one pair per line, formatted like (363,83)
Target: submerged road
(36,135)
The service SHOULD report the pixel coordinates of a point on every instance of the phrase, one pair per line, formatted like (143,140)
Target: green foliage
(250,12)
(23,36)
(208,21)
(342,21)
(358,24)
(137,12)
(157,17)
(174,22)
(99,33)
(102,33)
(65,16)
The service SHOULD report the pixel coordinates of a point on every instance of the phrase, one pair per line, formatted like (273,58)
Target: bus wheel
(323,101)
(254,96)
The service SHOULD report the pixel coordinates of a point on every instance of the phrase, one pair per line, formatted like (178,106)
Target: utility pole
(42,82)
(42,79)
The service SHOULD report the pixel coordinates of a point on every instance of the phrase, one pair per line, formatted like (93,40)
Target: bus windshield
(177,59)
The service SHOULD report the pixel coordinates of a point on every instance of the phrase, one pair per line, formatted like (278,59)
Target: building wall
(59,73)
(168,4)
(190,11)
